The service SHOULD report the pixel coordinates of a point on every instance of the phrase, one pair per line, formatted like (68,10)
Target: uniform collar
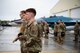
(30,22)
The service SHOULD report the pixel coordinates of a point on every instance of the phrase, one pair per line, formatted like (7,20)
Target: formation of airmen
(31,32)
(60,31)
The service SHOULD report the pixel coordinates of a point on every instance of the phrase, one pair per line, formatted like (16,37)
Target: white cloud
(9,9)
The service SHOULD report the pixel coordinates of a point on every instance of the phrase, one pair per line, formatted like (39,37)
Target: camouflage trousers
(55,36)
(60,39)
(76,37)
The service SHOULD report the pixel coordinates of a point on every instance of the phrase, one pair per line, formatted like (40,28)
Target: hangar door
(75,13)
(64,13)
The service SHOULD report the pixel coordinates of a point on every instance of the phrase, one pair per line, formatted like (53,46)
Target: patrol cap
(31,10)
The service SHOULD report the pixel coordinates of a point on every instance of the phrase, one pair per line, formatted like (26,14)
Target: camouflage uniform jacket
(55,28)
(33,41)
(62,28)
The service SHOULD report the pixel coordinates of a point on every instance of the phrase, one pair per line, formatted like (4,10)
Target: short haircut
(23,11)
(31,10)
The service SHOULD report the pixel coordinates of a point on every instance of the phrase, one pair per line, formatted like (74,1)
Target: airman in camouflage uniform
(55,31)
(61,32)
(31,34)
(46,29)
(76,31)
(42,24)
(63,28)
(22,29)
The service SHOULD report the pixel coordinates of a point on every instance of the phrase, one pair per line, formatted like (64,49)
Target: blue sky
(10,9)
